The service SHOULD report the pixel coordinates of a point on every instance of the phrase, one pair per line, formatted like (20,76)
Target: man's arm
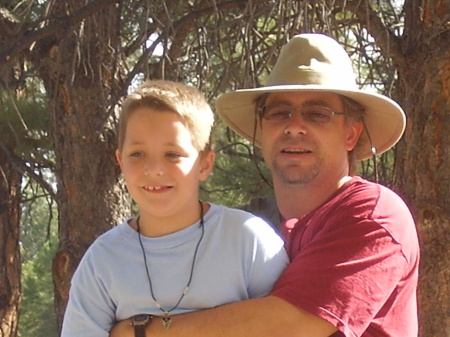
(262,317)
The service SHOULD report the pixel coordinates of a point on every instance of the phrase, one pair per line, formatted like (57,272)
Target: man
(352,244)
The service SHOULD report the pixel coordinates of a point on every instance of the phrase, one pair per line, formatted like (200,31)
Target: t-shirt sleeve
(345,275)
(90,311)
(267,257)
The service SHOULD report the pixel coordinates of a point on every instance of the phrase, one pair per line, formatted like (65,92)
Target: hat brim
(384,118)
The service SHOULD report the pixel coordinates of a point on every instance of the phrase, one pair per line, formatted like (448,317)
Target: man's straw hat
(316,62)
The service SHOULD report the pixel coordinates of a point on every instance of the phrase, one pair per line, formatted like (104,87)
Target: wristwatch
(139,322)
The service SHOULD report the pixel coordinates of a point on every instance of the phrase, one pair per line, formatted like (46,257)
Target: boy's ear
(119,158)
(206,164)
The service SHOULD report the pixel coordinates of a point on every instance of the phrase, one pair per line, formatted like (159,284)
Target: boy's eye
(173,155)
(136,154)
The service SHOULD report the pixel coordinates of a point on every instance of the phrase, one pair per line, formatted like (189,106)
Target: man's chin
(296,178)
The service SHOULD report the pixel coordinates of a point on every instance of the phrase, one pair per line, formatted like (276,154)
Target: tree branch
(183,26)
(26,39)
(20,165)
(389,43)
(8,23)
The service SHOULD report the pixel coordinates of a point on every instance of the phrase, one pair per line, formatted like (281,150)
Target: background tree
(87,54)
(422,59)
(81,69)
(10,181)
(21,156)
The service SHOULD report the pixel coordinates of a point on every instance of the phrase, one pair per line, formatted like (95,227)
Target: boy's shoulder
(237,213)
(110,238)
(242,219)
(266,208)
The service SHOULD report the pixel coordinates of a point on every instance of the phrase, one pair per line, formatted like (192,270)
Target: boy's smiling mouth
(156,188)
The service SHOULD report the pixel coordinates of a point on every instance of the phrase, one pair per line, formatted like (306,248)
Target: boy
(179,254)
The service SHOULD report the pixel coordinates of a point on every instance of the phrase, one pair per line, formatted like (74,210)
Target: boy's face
(161,166)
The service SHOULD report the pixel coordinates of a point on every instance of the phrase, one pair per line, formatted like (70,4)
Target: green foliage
(24,125)
(384,168)
(238,173)
(37,317)
(38,222)
(38,243)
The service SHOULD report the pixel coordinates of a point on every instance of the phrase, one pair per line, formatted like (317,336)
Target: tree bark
(422,174)
(10,262)
(423,159)
(77,68)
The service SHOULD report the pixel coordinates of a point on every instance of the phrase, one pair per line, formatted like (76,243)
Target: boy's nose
(153,167)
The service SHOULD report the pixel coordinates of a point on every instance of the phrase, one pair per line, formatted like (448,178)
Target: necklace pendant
(166,320)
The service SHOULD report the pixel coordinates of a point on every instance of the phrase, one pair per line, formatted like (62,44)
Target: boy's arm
(262,317)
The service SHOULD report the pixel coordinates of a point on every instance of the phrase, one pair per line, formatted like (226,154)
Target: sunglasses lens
(277,112)
(317,114)
(282,112)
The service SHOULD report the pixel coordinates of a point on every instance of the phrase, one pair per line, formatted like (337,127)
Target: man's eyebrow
(306,103)
(316,102)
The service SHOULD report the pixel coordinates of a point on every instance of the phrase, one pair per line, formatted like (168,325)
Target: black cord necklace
(166,318)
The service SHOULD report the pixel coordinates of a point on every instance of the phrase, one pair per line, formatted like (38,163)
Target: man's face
(307,145)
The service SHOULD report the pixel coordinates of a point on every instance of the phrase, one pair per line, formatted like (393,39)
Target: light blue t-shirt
(240,257)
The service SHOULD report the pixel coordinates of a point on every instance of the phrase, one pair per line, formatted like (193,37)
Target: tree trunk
(423,166)
(10,197)
(78,72)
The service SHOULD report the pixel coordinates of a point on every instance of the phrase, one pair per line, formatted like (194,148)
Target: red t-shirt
(354,262)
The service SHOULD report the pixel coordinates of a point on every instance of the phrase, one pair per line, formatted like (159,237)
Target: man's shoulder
(360,190)
(365,200)
(380,204)
(377,194)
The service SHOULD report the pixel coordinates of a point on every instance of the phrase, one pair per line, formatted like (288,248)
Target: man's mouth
(295,151)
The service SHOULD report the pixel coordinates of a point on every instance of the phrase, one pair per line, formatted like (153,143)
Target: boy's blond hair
(186,101)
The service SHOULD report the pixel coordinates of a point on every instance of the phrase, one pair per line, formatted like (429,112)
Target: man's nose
(296,124)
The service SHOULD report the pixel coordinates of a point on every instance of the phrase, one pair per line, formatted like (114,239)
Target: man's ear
(353,133)
(206,164)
